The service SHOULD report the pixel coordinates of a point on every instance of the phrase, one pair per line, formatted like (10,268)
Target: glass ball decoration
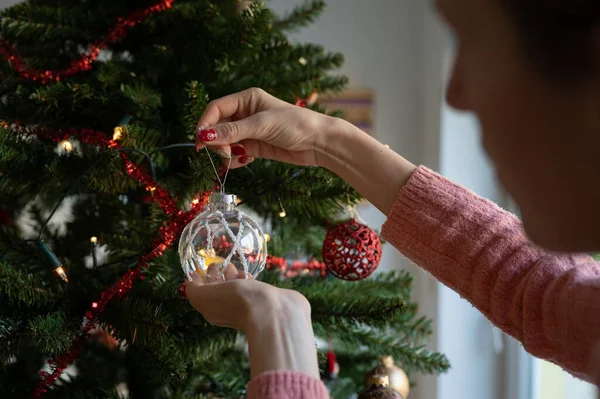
(223,243)
(351,251)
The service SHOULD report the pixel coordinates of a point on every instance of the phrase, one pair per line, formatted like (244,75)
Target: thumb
(200,295)
(231,132)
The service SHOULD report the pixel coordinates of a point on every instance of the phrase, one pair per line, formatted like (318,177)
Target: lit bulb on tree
(67,145)
(117,133)
(53,260)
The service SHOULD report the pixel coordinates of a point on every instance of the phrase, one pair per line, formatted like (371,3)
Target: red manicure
(238,150)
(182,290)
(207,135)
(245,159)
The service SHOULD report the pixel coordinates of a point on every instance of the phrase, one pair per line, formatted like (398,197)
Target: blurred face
(542,135)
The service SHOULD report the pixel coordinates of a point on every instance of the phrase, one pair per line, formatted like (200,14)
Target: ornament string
(221,182)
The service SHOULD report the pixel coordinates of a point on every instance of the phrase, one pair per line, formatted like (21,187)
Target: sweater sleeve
(550,302)
(286,385)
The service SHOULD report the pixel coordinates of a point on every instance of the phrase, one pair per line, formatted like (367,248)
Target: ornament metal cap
(387,361)
(379,380)
(222,201)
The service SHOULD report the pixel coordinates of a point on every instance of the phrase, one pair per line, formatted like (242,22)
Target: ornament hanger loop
(221,182)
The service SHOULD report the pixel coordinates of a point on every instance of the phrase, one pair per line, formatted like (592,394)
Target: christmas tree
(98,177)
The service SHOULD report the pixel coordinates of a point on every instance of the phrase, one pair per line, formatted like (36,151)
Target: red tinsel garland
(167,235)
(84,63)
(296,268)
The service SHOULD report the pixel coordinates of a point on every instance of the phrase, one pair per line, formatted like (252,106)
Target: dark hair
(559,34)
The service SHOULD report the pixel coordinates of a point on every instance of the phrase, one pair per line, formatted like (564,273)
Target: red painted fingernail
(181,290)
(246,159)
(238,150)
(207,135)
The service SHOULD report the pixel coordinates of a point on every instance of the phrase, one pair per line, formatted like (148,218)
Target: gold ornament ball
(398,379)
(379,388)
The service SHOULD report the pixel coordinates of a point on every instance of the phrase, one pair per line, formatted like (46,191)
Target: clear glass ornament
(220,237)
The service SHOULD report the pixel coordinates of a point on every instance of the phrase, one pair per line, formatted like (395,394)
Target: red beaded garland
(296,268)
(84,63)
(351,251)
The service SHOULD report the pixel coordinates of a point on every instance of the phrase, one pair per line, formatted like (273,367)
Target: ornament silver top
(222,202)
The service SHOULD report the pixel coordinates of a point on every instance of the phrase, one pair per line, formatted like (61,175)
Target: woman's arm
(277,323)
(547,301)
(374,170)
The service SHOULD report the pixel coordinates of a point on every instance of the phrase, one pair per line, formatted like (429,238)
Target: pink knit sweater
(549,302)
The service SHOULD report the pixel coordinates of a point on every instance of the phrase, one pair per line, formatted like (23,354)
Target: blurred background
(399,54)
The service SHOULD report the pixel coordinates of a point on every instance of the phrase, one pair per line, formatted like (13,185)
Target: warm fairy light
(67,145)
(151,189)
(282,214)
(196,201)
(302,61)
(94,240)
(61,273)
(117,133)
(95,305)
(238,201)
(267,237)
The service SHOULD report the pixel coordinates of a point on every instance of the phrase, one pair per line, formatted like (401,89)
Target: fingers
(217,273)
(235,106)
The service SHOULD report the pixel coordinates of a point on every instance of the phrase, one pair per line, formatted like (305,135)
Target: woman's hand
(253,123)
(277,322)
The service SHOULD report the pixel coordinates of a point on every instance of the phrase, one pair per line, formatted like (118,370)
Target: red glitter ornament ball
(351,251)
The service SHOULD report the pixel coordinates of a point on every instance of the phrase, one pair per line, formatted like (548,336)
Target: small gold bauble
(398,380)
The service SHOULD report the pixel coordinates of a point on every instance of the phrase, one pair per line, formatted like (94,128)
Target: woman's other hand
(276,321)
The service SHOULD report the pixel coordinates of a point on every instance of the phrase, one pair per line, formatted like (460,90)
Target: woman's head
(530,71)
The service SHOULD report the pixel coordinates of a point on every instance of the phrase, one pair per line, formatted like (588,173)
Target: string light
(195,201)
(94,305)
(67,145)
(117,133)
(283,213)
(61,273)
(267,237)
(53,260)
(302,61)
(94,241)
(151,188)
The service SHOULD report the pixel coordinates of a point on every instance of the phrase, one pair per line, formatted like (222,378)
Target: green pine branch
(301,16)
